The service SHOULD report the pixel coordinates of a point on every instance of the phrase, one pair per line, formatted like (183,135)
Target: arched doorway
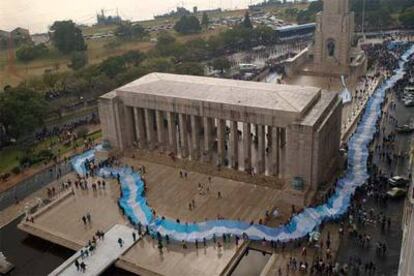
(330,47)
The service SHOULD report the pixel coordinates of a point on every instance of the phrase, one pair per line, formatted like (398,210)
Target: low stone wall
(347,133)
(43,233)
(292,64)
(133,268)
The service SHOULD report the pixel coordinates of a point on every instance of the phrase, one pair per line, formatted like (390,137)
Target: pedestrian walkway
(106,253)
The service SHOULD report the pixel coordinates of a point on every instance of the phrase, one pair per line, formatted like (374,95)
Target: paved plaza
(169,195)
(61,221)
(175,260)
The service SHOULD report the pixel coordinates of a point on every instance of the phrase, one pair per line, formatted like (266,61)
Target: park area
(17,159)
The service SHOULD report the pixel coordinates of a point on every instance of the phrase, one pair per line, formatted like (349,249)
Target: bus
(290,32)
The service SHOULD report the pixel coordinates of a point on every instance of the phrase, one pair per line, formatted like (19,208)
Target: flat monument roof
(289,98)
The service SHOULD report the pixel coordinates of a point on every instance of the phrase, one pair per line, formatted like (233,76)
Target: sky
(37,15)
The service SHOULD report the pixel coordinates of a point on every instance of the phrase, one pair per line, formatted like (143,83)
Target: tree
(78,60)
(196,50)
(407,18)
(102,84)
(127,30)
(165,38)
(379,19)
(205,20)
(221,64)
(133,57)
(28,53)
(309,15)
(246,21)
(76,86)
(22,111)
(159,64)
(265,35)
(67,37)
(167,46)
(190,68)
(187,25)
(113,66)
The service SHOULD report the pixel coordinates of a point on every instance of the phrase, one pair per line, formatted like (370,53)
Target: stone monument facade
(333,36)
(334,52)
(291,132)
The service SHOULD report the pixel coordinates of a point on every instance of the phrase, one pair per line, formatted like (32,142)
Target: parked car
(397,192)
(406,128)
(398,181)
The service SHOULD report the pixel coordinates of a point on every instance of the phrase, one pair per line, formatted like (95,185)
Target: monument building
(290,132)
(334,51)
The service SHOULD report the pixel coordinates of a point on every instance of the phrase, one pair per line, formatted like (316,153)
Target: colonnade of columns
(212,140)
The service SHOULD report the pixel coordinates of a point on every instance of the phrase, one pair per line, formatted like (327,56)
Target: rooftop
(295,27)
(288,98)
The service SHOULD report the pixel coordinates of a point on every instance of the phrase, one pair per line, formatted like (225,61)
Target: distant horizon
(39,15)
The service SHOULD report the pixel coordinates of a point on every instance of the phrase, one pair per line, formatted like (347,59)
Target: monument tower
(334,52)
(333,36)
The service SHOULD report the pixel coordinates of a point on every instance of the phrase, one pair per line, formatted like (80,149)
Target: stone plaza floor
(169,195)
(209,260)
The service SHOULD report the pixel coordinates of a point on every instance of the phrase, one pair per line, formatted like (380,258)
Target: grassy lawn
(9,157)
(98,49)
(56,62)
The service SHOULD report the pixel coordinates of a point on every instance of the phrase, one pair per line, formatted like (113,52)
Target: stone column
(172,134)
(208,138)
(247,146)
(195,137)
(282,154)
(234,145)
(160,128)
(261,149)
(275,152)
(221,128)
(149,124)
(182,118)
(140,127)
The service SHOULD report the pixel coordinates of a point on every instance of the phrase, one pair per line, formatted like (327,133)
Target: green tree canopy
(78,60)
(187,25)
(168,46)
(22,111)
(133,57)
(309,14)
(165,38)
(205,20)
(28,53)
(113,66)
(221,64)
(246,21)
(189,68)
(407,18)
(158,64)
(127,30)
(67,37)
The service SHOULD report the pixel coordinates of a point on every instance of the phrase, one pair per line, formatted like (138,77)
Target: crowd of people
(367,216)
(67,130)
(358,217)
